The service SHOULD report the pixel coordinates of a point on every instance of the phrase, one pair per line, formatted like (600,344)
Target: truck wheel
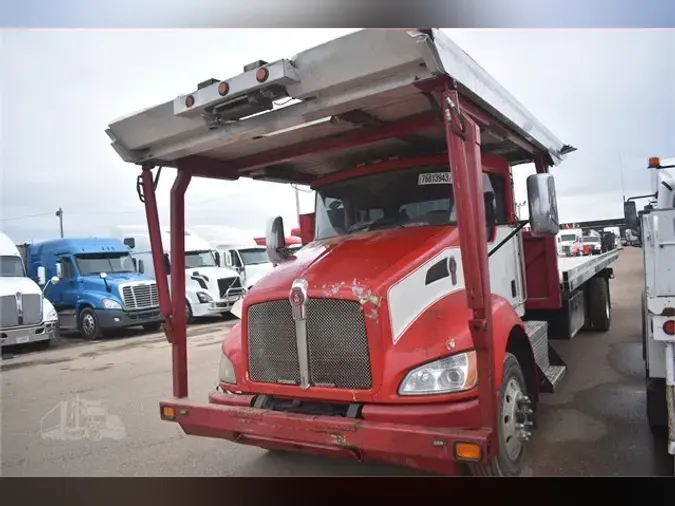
(598,303)
(657,406)
(89,327)
(509,460)
(189,318)
(152,327)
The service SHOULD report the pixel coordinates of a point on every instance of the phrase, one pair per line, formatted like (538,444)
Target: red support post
(150,201)
(179,343)
(463,142)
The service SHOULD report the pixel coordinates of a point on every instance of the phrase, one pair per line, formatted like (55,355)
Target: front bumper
(30,334)
(403,435)
(118,318)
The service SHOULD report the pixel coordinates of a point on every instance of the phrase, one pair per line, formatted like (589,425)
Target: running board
(551,367)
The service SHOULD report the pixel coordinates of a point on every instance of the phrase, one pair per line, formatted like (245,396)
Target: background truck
(211,290)
(99,289)
(413,326)
(657,224)
(237,250)
(592,242)
(25,315)
(567,238)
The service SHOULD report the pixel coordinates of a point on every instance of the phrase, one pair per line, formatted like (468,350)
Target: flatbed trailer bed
(575,271)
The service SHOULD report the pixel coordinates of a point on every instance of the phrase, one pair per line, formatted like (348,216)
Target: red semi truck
(413,325)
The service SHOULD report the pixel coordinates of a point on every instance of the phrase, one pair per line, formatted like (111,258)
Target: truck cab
(99,288)
(25,315)
(211,290)
(236,250)
(568,241)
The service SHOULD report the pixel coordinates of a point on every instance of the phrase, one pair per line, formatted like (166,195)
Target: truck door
(67,290)
(506,263)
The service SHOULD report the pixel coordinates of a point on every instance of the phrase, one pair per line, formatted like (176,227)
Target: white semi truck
(657,224)
(25,315)
(237,250)
(210,290)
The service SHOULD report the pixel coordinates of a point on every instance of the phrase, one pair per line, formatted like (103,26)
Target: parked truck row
(97,285)
(414,324)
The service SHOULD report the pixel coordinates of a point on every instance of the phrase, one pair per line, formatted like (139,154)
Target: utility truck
(237,250)
(26,316)
(210,290)
(657,223)
(413,326)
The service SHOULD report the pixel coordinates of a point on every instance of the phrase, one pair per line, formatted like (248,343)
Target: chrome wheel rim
(511,439)
(88,324)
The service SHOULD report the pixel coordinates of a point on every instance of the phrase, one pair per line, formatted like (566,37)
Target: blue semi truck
(99,288)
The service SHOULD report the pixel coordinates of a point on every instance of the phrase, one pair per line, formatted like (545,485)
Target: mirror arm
(519,226)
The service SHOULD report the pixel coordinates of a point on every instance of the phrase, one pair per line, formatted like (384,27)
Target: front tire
(189,317)
(89,326)
(510,459)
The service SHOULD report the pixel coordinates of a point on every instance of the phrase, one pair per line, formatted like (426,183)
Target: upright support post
(179,344)
(463,142)
(154,231)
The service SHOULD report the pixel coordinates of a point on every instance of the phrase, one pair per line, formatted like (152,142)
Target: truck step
(551,367)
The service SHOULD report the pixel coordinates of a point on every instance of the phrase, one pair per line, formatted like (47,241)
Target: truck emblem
(298,298)
(452,267)
(18,296)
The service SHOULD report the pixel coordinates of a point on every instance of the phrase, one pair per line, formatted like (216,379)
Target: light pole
(59,215)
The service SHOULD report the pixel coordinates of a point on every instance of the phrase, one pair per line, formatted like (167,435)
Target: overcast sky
(610,93)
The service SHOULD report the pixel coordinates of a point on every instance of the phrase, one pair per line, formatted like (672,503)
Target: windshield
(416,196)
(199,259)
(94,263)
(591,239)
(254,256)
(568,237)
(11,267)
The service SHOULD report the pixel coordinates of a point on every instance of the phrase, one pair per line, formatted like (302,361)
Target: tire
(657,407)
(189,317)
(599,307)
(510,459)
(88,324)
(152,327)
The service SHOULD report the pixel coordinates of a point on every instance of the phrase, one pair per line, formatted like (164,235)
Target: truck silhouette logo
(77,419)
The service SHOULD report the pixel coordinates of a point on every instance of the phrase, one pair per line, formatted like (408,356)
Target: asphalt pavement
(594,426)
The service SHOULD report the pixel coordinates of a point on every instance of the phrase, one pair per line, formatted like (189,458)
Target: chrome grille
(32,310)
(226,283)
(8,313)
(336,334)
(140,296)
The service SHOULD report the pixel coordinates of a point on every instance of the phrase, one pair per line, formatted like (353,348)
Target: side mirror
(630,214)
(542,205)
(103,275)
(228,259)
(167,264)
(55,279)
(130,242)
(216,257)
(59,269)
(276,241)
(42,275)
(490,214)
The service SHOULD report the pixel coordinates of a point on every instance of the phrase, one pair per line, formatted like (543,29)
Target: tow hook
(523,411)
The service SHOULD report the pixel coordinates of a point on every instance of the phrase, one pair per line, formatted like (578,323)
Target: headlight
(204,297)
(52,315)
(451,374)
(226,371)
(111,304)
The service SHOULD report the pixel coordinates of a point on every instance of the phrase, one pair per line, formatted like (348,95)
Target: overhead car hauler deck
(412,327)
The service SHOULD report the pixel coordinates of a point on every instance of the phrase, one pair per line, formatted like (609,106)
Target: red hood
(334,267)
